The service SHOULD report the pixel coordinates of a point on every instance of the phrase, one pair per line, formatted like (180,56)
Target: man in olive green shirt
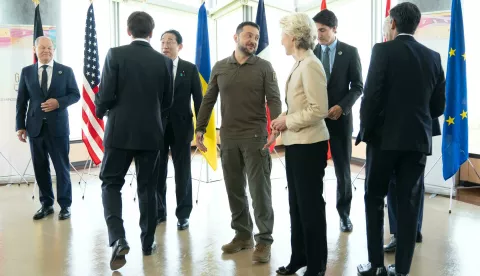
(244,81)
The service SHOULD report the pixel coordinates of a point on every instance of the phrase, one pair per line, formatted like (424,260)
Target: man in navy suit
(47,88)
(178,131)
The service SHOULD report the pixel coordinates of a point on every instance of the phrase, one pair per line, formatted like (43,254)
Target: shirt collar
(175,62)
(332,46)
(141,39)
(40,64)
(251,60)
(405,34)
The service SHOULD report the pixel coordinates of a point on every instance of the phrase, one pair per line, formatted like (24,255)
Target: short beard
(245,50)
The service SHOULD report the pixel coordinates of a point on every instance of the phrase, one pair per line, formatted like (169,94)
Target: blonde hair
(301,27)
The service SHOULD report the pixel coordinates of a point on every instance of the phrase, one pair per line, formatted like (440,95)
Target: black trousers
(393,210)
(305,165)
(114,168)
(58,148)
(409,169)
(341,149)
(181,157)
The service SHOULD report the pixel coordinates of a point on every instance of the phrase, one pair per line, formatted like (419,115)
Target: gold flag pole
(36,2)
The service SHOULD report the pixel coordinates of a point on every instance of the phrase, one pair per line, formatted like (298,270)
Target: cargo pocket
(267,160)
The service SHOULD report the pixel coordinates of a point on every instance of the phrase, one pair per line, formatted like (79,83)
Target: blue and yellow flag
(202,60)
(455,127)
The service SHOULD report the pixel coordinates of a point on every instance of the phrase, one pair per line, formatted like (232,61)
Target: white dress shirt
(175,66)
(141,39)
(49,73)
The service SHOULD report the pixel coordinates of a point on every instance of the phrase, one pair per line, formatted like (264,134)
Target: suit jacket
(344,86)
(405,89)
(63,88)
(186,85)
(307,101)
(136,87)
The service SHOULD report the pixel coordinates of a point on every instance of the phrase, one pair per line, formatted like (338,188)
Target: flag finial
(36,2)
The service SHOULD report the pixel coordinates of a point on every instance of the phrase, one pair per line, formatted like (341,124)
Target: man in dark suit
(345,84)
(178,124)
(405,89)
(47,88)
(135,90)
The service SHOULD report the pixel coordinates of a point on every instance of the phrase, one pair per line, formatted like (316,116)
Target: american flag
(92,128)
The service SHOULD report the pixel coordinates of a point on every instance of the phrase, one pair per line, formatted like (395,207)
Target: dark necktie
(44,84)
(326,62)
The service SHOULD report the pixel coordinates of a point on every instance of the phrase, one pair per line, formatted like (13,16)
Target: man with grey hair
(244,81)
(392,194)
(45,91)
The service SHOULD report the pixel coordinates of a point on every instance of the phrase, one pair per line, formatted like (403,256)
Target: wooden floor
(79,246)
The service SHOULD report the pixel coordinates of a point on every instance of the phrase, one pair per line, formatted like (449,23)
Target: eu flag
(455,127)
(202,60)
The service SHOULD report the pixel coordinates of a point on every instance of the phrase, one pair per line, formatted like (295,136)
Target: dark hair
(326,17)
(177,35)
(246,23)
(406,16)
(140,24)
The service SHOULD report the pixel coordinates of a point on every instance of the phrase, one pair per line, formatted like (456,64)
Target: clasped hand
(278,125)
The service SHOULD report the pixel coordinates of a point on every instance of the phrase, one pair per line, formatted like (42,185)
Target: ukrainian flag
(202,60)
(455,128)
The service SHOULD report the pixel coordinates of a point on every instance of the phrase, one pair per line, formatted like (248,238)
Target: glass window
(165,19)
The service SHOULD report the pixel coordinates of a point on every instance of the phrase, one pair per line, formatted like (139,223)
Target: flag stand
(453,180)
(200,176)
(11,166)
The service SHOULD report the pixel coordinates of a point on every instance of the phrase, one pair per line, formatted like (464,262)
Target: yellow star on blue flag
(455,133)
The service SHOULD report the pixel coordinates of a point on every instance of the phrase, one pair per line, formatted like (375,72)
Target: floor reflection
(79,246)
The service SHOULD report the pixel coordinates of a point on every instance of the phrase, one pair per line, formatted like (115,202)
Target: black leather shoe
(368,270)
(392,272)
(162,219)
(419,237)
(183,224)
(346,225)
(148,251)
(43,212)
(119,250)
(307,273)
(392,246)
(289,269)
(64,213)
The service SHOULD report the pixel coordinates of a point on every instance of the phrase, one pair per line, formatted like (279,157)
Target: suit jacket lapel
(36,78)
(179,73)
(54,78)
(337,63)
